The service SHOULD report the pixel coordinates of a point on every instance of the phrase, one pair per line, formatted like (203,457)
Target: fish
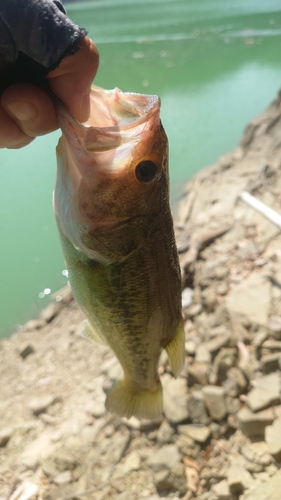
(111,204)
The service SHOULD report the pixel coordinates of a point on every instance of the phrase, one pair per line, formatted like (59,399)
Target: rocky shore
(220,435)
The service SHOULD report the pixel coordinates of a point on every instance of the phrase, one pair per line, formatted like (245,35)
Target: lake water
(215,64)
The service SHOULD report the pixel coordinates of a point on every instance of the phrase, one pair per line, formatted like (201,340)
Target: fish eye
(146,171)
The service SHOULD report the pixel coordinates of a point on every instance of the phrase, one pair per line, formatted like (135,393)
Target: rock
(95,408)
(50,311)
(202,354)
(221,288)
(274,325)
(273,439)
(266,392)
(47,419)
(261,453)
(26,351)
(225,359)
(198,373)
(221,490)
(165,433)
(161,480)
(232,421)
(199,433)
(215,402)
(196,408)
(260,338)
(5,436)
(270,362)
(248,364)
(218,430)
(190,347)
(254,424)
(63,478)
(175,399)
(239,377)
(187,297)
(49,467)
(34,324)
(238,479)
(269,490)
(209,298)
(126,495)
(132,462)
(41,403)
(37,451)
(218,342)
(250,300)
(164,458)
(193,310)
(232,405)
(166,482)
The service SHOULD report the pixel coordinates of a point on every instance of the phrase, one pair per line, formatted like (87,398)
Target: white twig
(260,207)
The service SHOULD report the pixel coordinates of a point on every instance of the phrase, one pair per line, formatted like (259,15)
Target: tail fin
(126,401)
(176,350)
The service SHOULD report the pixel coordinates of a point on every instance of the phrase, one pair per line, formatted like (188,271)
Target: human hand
(27,111)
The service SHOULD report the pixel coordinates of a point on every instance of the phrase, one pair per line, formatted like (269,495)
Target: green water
(215,64)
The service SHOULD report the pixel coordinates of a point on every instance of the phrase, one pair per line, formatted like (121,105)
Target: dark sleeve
(35,35)
(37,28)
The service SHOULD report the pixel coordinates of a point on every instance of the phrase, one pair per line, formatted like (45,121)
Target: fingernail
(22,110)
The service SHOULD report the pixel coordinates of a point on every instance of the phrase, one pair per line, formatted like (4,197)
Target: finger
(31,109)
(11,136)
(72,80)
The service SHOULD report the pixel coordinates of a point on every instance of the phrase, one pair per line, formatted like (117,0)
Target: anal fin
(176,350)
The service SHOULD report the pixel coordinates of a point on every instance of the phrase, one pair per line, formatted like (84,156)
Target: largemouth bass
(112,209)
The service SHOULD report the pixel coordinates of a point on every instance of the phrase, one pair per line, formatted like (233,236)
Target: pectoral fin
(91,333)
(176,350)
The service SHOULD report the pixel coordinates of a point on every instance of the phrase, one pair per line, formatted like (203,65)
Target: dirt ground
(220,435)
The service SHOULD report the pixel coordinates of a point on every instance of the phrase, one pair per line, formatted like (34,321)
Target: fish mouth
(116,118)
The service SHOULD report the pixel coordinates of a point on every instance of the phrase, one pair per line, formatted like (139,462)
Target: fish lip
(82,131)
